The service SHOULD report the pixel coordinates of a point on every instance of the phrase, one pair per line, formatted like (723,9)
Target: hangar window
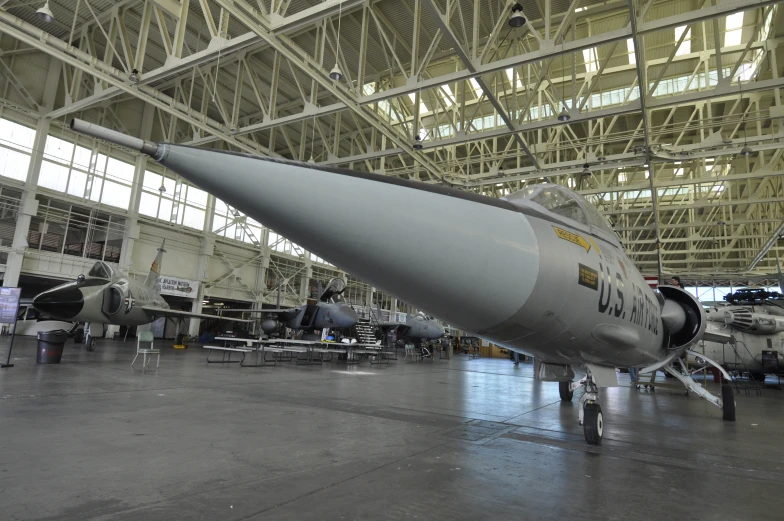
(591,59)
(510,76)
(68,229)
(281,244)
(16,143)
(230,223)
(685,47)
(177,203)
(85,172)
(733,29)
(422,107)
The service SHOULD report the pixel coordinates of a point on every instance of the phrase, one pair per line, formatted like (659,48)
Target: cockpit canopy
(560,201)
(101,270)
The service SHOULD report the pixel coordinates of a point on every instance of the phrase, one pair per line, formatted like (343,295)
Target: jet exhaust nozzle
(683,317)
(112,136)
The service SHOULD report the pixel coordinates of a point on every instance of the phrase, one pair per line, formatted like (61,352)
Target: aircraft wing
(281,310)
(155,311)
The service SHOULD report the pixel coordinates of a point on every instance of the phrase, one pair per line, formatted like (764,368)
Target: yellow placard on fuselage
(572,237)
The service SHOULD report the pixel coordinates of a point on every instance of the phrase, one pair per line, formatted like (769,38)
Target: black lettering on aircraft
(602,304)
(619,286)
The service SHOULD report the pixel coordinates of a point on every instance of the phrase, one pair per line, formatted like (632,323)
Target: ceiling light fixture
(45,14)
(564,115)
(336,73)
(417,142)
(586,171)
(134,77)
(518,18)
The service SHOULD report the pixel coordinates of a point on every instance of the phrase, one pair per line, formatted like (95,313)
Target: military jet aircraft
(416,328)
(538,272)
(329,311)
(105,297)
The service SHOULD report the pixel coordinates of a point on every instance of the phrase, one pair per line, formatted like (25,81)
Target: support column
(206,253)
(207,249)
(304,281)
(131,233)
(28,206)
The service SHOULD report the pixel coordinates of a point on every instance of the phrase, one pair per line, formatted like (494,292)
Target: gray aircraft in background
(106,297)
(416,328)
(755,320)
(329,311)
(538,272)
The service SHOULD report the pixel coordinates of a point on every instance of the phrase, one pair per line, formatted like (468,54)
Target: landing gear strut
(727,400)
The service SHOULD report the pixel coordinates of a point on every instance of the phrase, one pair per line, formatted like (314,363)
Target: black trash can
(50,346)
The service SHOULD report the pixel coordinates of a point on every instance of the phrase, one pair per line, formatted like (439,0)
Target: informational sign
(9,304)
(178,287)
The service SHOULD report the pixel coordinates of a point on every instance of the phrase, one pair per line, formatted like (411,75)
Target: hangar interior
(665,115)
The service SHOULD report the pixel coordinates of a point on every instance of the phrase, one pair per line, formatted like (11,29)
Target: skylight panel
(685,47)
(422,107)
(590,59)
(446,95)
(733,29)
(476,87)
(630,49)
(510,77)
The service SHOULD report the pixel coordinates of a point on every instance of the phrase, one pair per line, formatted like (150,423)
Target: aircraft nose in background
(344,316)
(64,302)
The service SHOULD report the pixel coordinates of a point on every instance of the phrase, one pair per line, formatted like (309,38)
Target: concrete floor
(92,438)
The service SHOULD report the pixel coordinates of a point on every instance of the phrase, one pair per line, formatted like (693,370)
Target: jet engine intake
(270,325)
(683,317)
(116,298)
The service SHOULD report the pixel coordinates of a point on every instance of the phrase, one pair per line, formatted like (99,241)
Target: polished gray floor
(93,438)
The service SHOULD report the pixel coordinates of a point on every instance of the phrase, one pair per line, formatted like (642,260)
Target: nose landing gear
(590,413)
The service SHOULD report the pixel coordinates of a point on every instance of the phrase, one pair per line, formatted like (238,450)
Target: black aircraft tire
(565,390)
(593,424)
(728,403)
(89,343)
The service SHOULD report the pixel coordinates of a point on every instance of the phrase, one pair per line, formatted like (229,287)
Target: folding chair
(146,336)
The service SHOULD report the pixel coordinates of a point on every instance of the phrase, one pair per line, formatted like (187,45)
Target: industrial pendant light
(134,77)
(312,142)
(586,171)
(336,73)
(45,14)
(417,142)
(564,115)
(518,18)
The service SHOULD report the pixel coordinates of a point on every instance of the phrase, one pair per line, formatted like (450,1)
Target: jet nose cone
(63,302)
(345,317)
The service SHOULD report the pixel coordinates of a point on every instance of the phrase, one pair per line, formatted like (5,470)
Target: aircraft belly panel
(446,251)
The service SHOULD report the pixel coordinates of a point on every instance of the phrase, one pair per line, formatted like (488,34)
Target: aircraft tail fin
(155,270)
